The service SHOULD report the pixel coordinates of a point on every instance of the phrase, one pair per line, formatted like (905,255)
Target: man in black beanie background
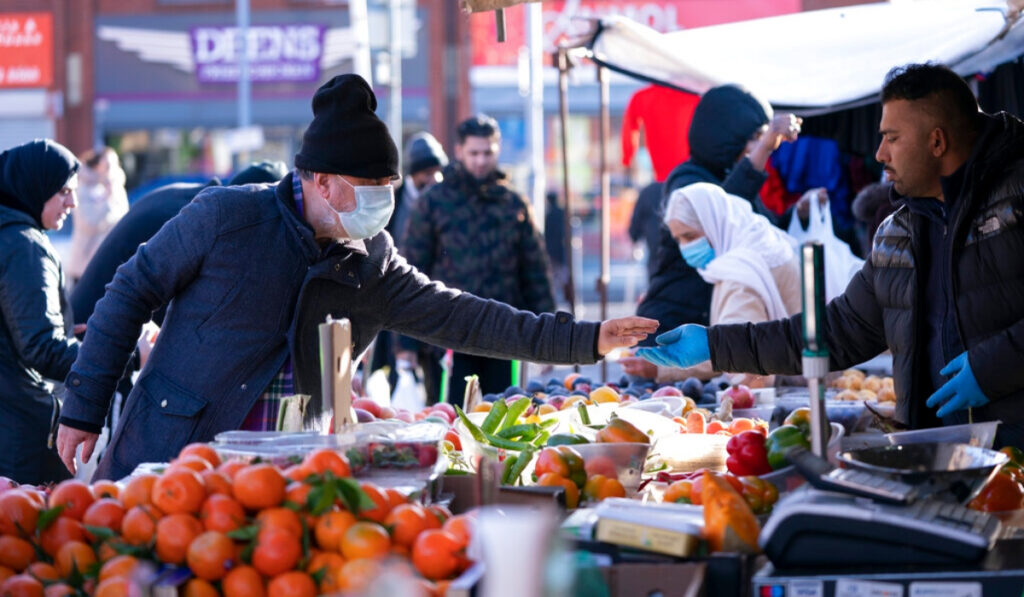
(249,272)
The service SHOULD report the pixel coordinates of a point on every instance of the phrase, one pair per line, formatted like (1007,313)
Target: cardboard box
(683,579)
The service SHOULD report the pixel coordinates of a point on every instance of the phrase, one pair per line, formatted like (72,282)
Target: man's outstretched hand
(623,333)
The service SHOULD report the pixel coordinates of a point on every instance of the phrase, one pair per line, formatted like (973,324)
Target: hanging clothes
(664,115)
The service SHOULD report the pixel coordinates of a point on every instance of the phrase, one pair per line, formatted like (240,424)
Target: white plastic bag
(840,262)
(408,394)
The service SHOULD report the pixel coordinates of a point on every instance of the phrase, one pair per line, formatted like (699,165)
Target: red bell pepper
(747,454)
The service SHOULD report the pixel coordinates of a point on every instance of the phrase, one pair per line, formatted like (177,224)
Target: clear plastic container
(981,435)
(686,452)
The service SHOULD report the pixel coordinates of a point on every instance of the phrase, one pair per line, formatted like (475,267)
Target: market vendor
(942,288)
(248,273)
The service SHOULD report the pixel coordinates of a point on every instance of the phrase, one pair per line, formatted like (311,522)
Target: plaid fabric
(263,416)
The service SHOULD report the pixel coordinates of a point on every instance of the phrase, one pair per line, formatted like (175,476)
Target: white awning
(820,60)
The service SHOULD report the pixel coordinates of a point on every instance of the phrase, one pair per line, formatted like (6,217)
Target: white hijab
(747,246)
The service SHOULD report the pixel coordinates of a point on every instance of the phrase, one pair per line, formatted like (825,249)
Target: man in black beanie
(249,272)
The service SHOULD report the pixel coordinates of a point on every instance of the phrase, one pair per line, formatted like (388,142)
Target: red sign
(26,49)
(560,21)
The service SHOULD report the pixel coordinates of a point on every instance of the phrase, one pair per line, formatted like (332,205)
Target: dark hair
(951,97)
(92,157)
(480,125)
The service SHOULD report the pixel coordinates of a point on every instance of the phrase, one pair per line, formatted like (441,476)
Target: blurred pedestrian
(38,189)
(145,217)
(102,202)
(424,160)
(250,272)
(473,232)
(645,223)
(870,207)
(749,262)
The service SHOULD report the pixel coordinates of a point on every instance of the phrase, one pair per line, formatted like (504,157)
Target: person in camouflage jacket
(472,232)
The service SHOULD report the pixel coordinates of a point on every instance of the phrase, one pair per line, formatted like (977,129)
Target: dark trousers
(495,375)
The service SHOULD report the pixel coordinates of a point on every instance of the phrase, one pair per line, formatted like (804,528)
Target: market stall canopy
(817,61)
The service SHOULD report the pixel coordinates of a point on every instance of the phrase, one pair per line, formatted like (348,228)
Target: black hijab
(31,174)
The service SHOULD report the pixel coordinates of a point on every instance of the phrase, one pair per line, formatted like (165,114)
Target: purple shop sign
(276,53)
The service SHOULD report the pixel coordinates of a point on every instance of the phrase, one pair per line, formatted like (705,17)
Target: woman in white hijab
(750,262)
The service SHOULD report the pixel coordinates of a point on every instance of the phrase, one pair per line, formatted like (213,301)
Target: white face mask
(374,206)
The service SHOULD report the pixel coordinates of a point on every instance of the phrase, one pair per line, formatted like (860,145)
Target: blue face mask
(697,254)
(374,206)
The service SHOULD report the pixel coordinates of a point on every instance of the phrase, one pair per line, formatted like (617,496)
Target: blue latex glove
(962,391)
(685,346)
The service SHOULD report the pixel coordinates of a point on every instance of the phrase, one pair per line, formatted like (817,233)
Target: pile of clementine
(242,530)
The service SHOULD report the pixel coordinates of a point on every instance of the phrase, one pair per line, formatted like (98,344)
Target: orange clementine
(216,482)
(365,540)
(200,450)
(326,460)
(572,493)
(259,486)
(138,526)
(104,512)
(406,522)
(292,584)
(73,496)
(277,551)
(296,472)
(174,533)
(58,589)
(193,463)
(356,575)
(21,585)
(441,513)
(280,518)
(379,512)
(42,571)
(105,551)
(138,491)
(60,531)
(331,527)
(395,497)
(117,586)
(5,573)
(74,556)
(460,527)
(123,565)
(437,554)
(105,489)
(222,513)
(243,581)
(19,513)
(569,379)
(211,555)
(197,587)
(327,563)
(231,468)
(16,553)
(297,492)
(179,491)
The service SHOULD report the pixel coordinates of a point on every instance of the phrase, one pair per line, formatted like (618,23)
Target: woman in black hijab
(37,191)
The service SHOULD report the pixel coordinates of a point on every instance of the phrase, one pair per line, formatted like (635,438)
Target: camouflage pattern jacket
(479,237)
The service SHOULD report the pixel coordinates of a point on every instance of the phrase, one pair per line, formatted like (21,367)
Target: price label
(848,587)
(945,589)
(806,588)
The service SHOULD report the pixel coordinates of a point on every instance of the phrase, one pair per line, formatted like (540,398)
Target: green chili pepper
(516,409)
(520,466)
(543,437)
(500,442)
(584,416)
(506,472)
(494,416)
(519,430)
(546,423)
(474,431)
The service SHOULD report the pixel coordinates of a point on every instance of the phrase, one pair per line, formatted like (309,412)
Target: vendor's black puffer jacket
(879,309)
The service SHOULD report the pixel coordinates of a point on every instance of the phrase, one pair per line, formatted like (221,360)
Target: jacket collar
(11,216)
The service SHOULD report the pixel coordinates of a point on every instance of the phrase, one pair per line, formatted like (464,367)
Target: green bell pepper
(781,440)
